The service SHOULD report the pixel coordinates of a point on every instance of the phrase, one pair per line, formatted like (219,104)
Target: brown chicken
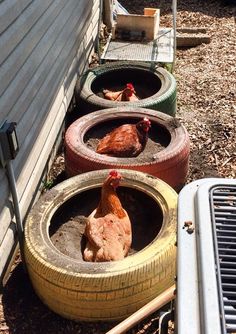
(108,228)
(127,94)
(128,140)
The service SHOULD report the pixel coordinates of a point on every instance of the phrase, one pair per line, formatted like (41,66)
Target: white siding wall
(43,46)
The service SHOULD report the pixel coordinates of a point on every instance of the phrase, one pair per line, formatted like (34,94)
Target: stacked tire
(155,85)
(114,290)
(170,164)
(98,291)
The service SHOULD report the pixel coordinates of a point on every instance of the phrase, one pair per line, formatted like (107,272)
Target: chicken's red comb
(146,120)
(130,86)
(113,173)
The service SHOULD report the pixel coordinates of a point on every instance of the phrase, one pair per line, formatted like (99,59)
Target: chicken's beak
(146,128)
(115,183)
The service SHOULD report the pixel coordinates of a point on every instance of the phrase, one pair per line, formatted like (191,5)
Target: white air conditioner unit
(206,260)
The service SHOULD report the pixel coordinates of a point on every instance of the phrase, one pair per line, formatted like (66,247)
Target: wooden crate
(147,24)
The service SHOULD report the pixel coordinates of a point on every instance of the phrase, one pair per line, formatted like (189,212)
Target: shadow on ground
(25,313)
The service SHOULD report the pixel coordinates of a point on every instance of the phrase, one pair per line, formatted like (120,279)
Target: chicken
(127,94)
(128,140)
(108,228)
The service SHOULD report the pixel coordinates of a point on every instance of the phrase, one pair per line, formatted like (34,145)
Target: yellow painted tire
(87,291)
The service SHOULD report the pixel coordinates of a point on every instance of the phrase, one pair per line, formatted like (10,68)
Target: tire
(170,164)
(89,291)
(160,86)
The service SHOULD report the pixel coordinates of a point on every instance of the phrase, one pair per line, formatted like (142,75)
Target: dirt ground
(206,97)
(67,227)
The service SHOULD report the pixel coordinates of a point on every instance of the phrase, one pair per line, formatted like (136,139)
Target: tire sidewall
(76,149)
(164,99)
(37,234)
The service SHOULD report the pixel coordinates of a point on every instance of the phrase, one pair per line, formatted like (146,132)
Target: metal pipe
(99,30)
(145,311)
(174,10)
(19,224)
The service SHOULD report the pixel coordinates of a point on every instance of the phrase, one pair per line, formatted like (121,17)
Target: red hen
(127,94)
(108,228)
(128,140)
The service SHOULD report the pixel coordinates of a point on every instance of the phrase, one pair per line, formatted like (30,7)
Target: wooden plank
(55,117)
(192,36)
(202,30)
(23,24)
(150,11)
(22,52)
(10,10)
(6,209)
(190,40)
(48,121)
(138,23)
(45,142)
(19,108)
(60,51)
(42,103)
(6,246)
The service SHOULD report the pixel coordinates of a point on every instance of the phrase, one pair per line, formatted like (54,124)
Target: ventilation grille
(223,211)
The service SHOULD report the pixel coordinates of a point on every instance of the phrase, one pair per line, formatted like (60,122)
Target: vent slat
(227,232)
(230,193)
(230,309)
(225,226)
(230,317)
(229,250)
(226,256)
(230,303)
(225,238)
(225,209)
(227,264)
(224,220)
(229,293)
(228,277)
(229,285)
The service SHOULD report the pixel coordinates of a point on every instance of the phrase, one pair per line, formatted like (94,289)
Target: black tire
(81,290)
(155,86)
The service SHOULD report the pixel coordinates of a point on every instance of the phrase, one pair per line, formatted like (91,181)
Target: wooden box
(147,24)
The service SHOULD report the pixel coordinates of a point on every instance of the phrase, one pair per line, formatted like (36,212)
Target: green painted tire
(155,86)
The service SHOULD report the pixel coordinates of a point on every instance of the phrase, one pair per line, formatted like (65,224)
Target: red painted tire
(170,164)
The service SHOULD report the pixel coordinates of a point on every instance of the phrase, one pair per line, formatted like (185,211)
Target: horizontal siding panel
(46,140)
(19,112)
(18,57)
(44,145)
(59,52)
(42,103)
(6,246)
(6,207)
(27,97)
(37,97)
(16,32)
(10,10)
(59,46)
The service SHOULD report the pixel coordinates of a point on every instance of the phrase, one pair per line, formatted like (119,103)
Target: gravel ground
(206,77)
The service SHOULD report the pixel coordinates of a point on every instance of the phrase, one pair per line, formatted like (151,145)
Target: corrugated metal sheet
(43,46)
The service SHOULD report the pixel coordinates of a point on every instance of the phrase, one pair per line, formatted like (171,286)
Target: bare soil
(67,225)
(158,138)
(206,78)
